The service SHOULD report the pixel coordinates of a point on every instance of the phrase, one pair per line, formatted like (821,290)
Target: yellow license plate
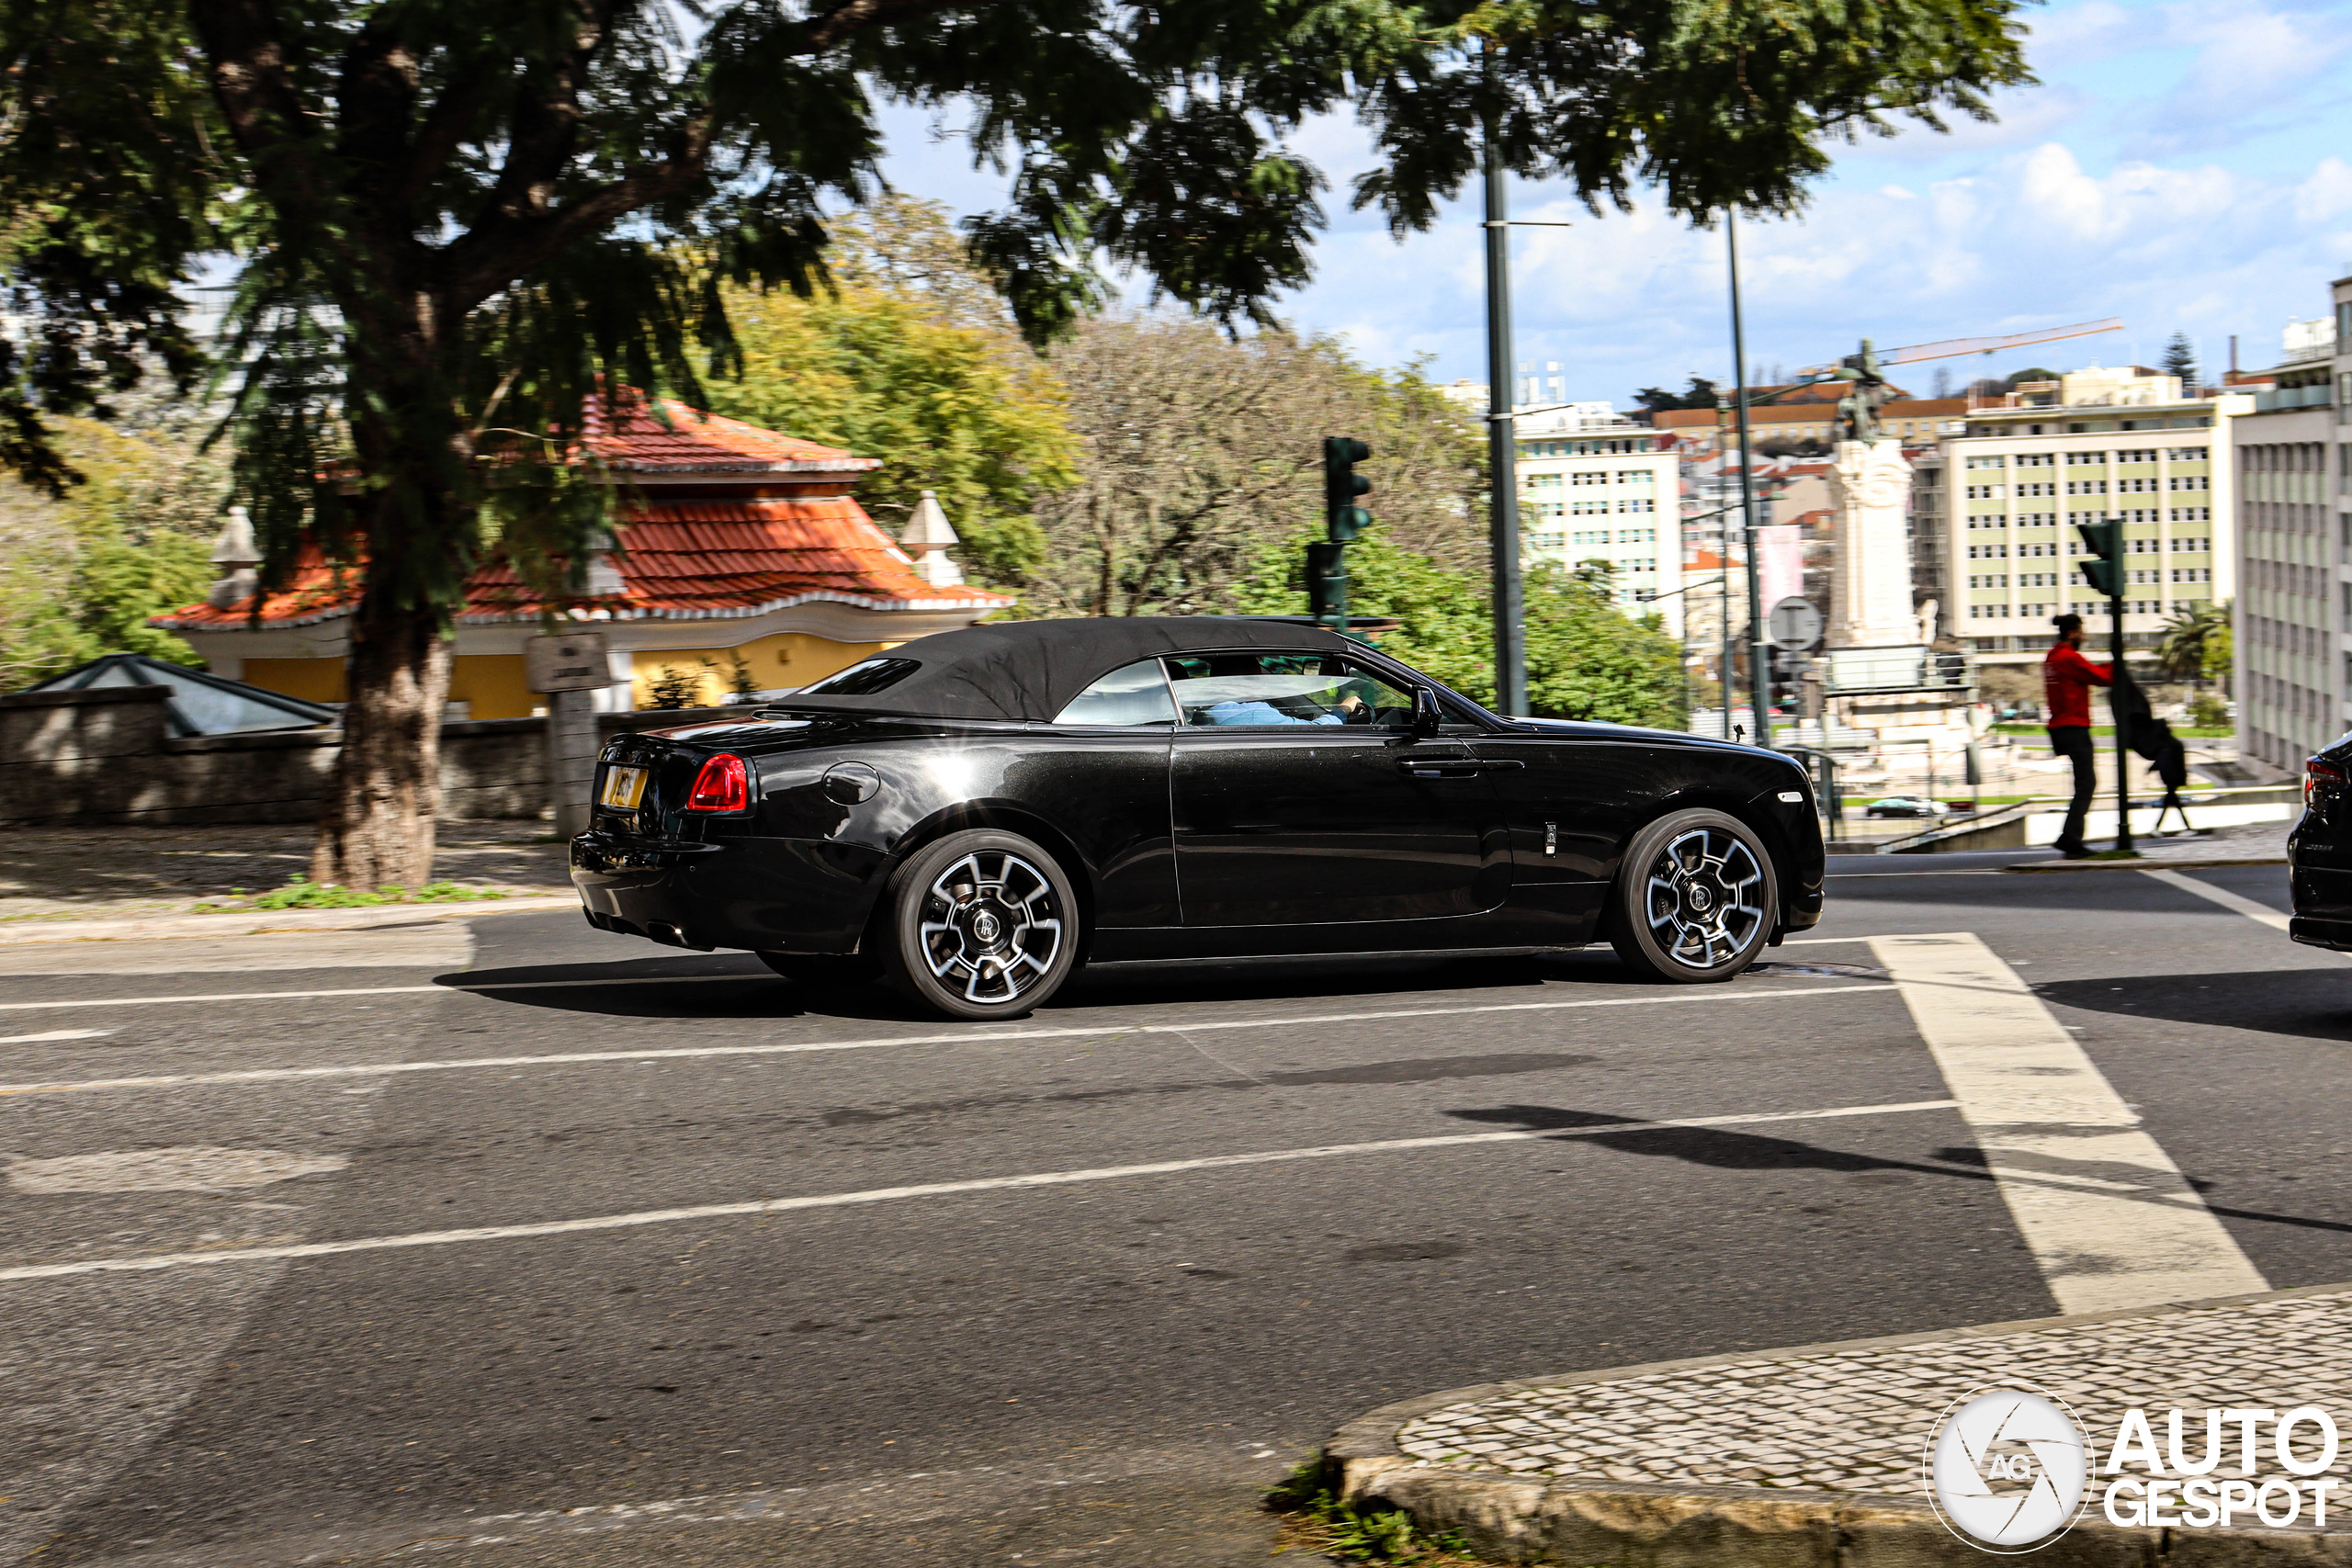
(624,787)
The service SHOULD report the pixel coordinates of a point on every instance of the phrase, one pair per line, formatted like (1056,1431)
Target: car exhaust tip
(670,935)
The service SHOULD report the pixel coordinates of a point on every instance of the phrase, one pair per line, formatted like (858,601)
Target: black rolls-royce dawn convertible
(974,815)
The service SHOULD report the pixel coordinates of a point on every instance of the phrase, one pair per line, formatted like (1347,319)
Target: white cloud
(2035,239)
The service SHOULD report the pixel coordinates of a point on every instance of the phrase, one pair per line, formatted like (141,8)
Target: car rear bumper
(767,894)
(2323,905)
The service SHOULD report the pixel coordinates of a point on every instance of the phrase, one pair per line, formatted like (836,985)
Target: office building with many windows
(2099,445)
(1595,487)
(2293,624)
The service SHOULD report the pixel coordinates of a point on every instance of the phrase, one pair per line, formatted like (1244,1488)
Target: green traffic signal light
(2104,571)
(1342,518)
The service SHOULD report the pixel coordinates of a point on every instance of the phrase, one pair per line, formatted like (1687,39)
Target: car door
(1575,796)
(1300,795)
(1107,779)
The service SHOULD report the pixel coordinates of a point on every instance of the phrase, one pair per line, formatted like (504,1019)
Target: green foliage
(1198,448)
(79,576)
(2179,358)
(906,369)
(301,893)
(1586,660)
(451,222)
(1701,394)
(2194,644)
(1321,1521)
(2209,711)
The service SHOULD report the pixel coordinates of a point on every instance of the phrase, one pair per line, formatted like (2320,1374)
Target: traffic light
(2104,571)
(1327,579)
(1341,484)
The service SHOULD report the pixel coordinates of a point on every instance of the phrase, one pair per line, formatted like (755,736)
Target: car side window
(1267,691)
(1137,693)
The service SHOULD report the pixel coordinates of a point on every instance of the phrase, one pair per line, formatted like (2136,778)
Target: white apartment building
(2294,628)
(1594,487)
(2096,445)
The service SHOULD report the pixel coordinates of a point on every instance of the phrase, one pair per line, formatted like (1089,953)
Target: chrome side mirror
(1426,713)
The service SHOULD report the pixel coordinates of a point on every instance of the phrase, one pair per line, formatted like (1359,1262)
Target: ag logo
(2006,1469)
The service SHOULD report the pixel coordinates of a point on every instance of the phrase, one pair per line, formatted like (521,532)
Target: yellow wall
(313,680)
(786,658)
(493,683)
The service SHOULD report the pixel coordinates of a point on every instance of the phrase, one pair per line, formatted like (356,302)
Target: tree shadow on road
(2309,1004)
(1723,1148)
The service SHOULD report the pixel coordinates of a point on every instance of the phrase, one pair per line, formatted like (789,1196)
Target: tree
(1701,394)
(2194,644)
(449,225)
(2180,359)
(79,576)
(1197,449)
(914,360)
(1585,659)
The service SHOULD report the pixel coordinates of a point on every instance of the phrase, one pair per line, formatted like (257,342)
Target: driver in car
(1352,709)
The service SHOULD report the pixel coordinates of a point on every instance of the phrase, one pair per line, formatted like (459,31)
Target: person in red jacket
(2066,680)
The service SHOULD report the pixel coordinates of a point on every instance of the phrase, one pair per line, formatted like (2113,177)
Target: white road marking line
(379,991)
(54,1034)
(929,1190)
(676,1053)
(2250,909)
(2073,1164)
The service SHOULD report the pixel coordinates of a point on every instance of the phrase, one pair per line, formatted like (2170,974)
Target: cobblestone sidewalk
(1856,1420)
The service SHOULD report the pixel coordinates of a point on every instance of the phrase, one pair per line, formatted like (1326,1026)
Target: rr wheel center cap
(986,927)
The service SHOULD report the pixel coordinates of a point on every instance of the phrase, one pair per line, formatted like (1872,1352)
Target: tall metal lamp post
(1760,681)
(1502,434)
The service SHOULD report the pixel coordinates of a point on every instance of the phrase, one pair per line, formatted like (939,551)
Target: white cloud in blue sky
(2182,164)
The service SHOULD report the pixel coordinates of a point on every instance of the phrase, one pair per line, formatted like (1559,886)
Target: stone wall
(106,756)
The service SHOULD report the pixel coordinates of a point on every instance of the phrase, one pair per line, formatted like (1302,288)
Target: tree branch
(253,84)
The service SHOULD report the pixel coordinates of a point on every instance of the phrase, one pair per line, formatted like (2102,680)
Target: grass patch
(1315,1519)
(302,893)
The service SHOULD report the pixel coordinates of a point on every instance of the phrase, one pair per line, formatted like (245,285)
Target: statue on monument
(1858,409)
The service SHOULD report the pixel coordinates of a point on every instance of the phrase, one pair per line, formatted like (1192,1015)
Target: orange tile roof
(633,439)
(715,559)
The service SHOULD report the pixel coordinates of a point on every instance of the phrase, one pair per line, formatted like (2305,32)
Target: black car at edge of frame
(974,815)
(2319,853)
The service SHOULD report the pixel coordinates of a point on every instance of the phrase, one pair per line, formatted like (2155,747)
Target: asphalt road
(938,1357)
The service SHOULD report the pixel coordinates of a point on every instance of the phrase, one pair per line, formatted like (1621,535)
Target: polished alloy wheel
(991,926)
(1705,897)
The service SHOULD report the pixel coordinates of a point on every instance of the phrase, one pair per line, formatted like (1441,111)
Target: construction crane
(1953,347)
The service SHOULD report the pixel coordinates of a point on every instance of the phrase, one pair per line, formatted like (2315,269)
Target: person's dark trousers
(2073,741)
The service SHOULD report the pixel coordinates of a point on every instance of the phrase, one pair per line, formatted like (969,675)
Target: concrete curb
(2152,863)
(1625,1525)
(252,922)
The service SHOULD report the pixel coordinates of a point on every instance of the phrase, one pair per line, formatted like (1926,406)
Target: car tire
(1695,900)
(980,925)
(824,971)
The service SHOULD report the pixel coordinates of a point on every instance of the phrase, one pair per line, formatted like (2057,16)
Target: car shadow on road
(1723,1148)
(737,986)
(2308,1004)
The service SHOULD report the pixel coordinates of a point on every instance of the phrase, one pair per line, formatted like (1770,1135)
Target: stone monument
(1870,592)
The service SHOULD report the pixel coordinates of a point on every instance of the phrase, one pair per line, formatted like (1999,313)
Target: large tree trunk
(378,825)
(377,829)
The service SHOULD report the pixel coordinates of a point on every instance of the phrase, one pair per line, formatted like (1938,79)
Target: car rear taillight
(2321,778)
(720,786)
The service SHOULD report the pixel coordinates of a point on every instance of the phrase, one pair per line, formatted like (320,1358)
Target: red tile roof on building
(716,557)
(633,439)
(686,560)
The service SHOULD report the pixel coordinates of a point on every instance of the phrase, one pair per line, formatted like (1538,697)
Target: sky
(2182,164)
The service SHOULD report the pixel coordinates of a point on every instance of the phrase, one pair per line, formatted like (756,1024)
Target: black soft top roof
(1031,670)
